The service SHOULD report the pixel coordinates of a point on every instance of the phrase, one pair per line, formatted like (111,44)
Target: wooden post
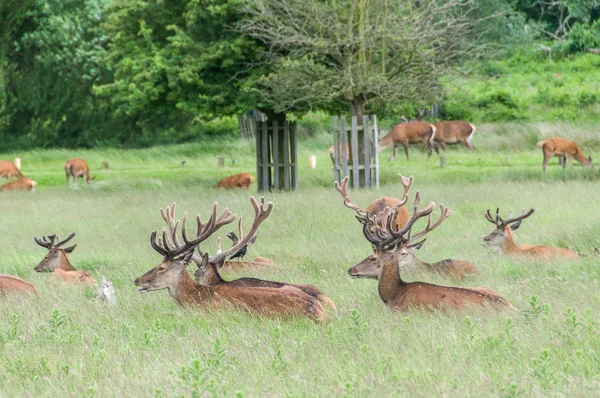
(312,161)
(221,162)
(442,160)
(344,156)
(376,150)
(355,159)
(336,153)
(105,165)
(367,152)
(294,155)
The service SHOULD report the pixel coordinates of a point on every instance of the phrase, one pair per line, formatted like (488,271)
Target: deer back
(452,131)
(12,284)
(241,180)
(9,170)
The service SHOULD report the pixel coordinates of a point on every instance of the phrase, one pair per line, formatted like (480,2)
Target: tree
(359,53)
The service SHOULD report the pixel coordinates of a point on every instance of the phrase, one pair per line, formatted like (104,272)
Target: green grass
(65,344)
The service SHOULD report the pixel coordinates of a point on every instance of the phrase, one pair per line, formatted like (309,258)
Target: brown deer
(566,150)
(12,284)
(377,205)
(257,262)
(22,184)
(369,267)
(409,133)
(453,132)
(393,247)
(78,168)
(208,274)
(56,261)
(9,170)
(242,180)
(501,237)
(348,153)
(171,274)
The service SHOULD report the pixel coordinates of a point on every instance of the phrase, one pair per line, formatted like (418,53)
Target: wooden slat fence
(276,156)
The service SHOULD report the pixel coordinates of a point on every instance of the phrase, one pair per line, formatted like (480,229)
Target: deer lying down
(56,261)
(501,237)
(171,274)
(393,246)
(241,180)
(22,184)
(208,273)
(11,284)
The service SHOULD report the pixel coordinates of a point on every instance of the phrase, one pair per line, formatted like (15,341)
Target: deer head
(177,255)
(502,235)
(370,267)
(55,256)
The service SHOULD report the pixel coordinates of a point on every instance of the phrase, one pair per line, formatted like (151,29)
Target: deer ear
(187,257)
(361,220)
(418,245)
(204,262)
(69,249)
(516,225)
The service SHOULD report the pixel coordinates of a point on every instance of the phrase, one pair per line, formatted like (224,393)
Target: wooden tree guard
(344,134)
(276,156)
(247,123)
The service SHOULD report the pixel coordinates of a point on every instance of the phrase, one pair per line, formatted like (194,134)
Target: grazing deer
(564,149)
(171,274)
(369,267)
(56,261)
(393,246)
(242,180)
(207,273)
(22,184)
(409,133)
(9,170)
(78,168)
(453,132)
(348,153)
(501,237)
(12,284)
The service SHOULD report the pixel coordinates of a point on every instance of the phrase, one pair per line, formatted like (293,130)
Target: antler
(261,213)
(46,242)
(171,247)
(500,222)
(68,238)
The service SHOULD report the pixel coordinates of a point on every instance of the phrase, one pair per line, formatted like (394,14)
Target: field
(65,344)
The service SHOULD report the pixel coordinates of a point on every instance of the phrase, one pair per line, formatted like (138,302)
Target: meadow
(66,344)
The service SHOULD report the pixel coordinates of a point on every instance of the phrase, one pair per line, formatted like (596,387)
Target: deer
(408,133)
(453,132)
(241,180)
(393,247)
(257,262)
(22,184)
(12,284)
(78,168)
(501,237)
(56,261)
(348,153)
(369,267)
(208,274)
(566,150)
(9,170)
(171,274)
(376,206)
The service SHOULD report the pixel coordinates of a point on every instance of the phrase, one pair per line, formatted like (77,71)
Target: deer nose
(137,280)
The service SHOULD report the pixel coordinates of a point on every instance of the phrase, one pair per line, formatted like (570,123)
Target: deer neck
(508,245)
(390,283)
(64,264)
(214,277)
(582,159)
(188,291)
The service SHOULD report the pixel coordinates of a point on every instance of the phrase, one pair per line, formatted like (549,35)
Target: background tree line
(83,73)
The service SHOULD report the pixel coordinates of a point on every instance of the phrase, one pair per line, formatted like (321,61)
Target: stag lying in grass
(208,273)
(22,184)
(56,261)
(393,246)
(368,268)
(11,284)
(501,237)
(171,274)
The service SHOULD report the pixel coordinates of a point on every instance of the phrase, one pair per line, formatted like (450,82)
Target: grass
(65,344)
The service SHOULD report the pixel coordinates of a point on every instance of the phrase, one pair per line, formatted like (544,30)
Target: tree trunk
(357,108)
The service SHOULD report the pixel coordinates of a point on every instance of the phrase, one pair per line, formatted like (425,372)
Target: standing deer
(9,170)
(501,237)
(453,132)
(12,284)
(409,133)
(56,261)
(22,184)
(171,274)
(369,267)
(393,246)
(77,168)
(564,149)
(377,205)
(207,273)
(242,180)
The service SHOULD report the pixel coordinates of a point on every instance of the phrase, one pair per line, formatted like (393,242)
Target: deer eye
(162,268)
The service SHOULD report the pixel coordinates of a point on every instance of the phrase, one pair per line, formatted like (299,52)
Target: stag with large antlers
(393,247)
(208,273)
(501,237)
(56,260)
(369,267)
(172,273)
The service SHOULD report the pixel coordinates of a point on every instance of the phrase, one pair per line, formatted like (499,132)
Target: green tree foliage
(175,63)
